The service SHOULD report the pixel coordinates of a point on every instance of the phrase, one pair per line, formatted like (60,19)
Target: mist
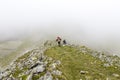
(89,22)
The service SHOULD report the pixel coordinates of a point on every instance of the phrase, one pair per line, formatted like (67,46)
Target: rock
(10,78)
(34,65)
(31,64)
(30,61)
(6,73)
(45,63)
(106,65)
(20,66)
(12,67)
(47,76)
(28,72)
(83,72)
(39,69)
(56,72)
(50,59)
(57,62)
(34,58)
(115,75)
(30,76)
(39,62)
(53,66)
(0,76)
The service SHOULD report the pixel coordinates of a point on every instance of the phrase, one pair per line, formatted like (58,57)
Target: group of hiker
(59,40)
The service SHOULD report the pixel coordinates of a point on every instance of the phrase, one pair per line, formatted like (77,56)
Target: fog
(88,22)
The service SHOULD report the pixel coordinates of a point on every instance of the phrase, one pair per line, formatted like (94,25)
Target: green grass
(24,77)
(73,61)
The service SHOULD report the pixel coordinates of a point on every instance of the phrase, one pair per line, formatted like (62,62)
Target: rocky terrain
(70,62)
(33,65)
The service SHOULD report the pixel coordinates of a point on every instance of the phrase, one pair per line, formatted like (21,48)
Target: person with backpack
(64,42)
(59,41)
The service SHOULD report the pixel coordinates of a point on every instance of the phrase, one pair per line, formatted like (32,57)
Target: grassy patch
(24,77)
(74,61)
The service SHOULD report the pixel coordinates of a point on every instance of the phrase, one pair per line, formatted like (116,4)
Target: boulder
(47,76)
(35,65)
(56,72)
(39,68)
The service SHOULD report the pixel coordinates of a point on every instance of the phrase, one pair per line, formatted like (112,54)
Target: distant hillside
(70,62)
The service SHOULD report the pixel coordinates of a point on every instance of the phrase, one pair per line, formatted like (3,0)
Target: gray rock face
(33,63)
(33,66)
(47,76)
(6,73)
(39,69)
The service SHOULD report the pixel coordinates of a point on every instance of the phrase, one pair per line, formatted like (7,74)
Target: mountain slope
(50,62)
(78,63)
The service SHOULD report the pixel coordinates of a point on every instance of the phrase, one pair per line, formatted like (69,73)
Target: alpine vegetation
(50,61)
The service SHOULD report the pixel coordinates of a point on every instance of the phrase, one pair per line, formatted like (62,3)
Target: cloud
(89,22)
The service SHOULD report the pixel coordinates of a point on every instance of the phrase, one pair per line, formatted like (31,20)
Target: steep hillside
(50,62)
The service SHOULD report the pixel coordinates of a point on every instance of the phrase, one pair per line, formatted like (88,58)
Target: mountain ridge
(70,62)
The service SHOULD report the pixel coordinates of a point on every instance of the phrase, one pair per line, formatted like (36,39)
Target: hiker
(59,41)
(64,42)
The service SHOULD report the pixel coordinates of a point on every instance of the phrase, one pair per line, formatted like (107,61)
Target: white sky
(92,21)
